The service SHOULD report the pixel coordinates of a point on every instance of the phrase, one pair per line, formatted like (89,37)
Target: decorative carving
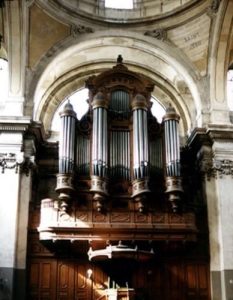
(64,188)
(141,218)
(216,168)
(174,190)
(159,218)
(213,9)
(176,218)
(80,29)
(98,217)
(215,5)
(85,125)
(223,167)
(99,187)
(159,34)
(17,162)
(140,186)
(9,161)
(120,217)
(82,216)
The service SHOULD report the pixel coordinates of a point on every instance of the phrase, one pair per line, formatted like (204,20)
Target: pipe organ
(119,186)
(123,146)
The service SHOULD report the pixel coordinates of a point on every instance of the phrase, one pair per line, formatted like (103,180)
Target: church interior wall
(185,49)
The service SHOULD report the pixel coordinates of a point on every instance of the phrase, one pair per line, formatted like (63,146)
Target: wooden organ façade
(120,227)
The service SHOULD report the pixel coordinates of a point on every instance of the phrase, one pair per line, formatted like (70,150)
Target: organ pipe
(99,150)
(66,155)
(140,150)
(172,157)
(119,159)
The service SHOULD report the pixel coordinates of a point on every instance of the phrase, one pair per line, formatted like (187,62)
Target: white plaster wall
(9,186)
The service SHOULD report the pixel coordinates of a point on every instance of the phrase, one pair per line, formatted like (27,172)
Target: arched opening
(157,109)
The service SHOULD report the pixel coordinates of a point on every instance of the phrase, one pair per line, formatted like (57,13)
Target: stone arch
(72,63)
(222,57)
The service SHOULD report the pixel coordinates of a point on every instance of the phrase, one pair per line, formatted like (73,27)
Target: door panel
(52,279)
(42,279)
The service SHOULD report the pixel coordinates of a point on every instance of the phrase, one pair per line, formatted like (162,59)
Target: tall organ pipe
(66,155)
(67,140)
(99,150)
(140,137)
(172,150)
(140,150)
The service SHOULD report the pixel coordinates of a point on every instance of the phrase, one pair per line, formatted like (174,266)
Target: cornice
(14,124)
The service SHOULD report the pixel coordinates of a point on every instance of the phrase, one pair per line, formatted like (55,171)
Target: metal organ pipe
(99,149)
(140,150)
(140,137)
(67,140)
(172,150)
(66,155)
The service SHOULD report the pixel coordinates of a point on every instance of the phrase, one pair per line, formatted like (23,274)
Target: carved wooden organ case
(119,183)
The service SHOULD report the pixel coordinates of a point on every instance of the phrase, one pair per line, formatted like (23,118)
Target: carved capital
(223,167)
(216,168)
(159,34)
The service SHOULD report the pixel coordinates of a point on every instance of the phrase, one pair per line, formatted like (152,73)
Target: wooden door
(65,280)
(197,282)
(42,279)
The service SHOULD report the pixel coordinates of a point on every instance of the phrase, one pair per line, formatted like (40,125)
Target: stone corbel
(205,166)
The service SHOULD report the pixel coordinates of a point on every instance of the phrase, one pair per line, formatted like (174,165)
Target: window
(119,4)
(157,110)
(230,88)
(80,106)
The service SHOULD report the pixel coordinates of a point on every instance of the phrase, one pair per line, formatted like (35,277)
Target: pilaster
(215,161)
(16,160)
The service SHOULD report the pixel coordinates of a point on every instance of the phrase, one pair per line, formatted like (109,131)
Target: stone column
(15,186)
(216,163)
